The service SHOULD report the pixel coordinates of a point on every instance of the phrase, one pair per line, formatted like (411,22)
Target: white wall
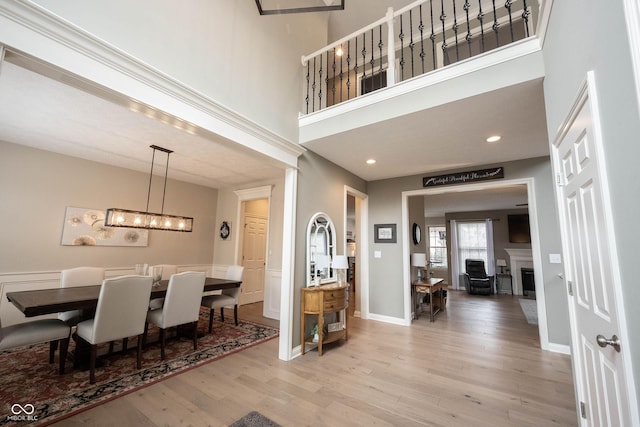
(222,49)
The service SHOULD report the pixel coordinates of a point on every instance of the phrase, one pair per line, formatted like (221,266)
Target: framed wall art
(85,227)
(384,233)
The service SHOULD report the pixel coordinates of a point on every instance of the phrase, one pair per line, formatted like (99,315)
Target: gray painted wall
(386,287)
(320,189)
(37,186)
(416,215)
(569,52)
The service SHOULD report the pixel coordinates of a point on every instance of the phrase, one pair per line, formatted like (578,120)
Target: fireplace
(519,259)
(528,282)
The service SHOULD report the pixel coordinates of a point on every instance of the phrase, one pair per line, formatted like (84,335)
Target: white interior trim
(285,350)
(632,15)
(362,252)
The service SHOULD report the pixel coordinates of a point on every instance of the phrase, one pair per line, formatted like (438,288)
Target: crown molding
(30,29)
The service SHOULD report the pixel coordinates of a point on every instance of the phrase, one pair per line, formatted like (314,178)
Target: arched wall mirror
(321,249)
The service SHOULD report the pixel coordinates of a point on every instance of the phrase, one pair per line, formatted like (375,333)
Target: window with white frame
(438,246)
(472,242)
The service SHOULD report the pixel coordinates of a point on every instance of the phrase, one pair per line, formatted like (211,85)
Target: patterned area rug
(254,419)
(530,310)
(32,391)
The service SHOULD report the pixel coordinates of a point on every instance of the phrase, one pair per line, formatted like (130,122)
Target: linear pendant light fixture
(116,217)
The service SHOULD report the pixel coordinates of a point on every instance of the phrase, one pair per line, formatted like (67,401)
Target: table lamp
(340,264)
(502,264)
(419,260)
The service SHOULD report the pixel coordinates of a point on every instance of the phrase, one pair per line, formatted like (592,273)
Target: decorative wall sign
(463,177)
(225,230)
(384,233)
(85,227)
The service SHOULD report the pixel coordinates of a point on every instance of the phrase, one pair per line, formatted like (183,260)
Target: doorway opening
(252,249)
(467,197)
(355,247)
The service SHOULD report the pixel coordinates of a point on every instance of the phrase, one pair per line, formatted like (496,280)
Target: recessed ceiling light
(494,138)
(371,161)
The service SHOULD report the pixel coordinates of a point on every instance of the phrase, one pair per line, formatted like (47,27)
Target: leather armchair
(476,280)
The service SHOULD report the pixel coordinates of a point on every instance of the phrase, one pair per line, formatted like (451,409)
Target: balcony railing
(420,38)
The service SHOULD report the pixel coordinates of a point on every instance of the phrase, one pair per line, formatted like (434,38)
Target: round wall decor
(225,230)
(417,234)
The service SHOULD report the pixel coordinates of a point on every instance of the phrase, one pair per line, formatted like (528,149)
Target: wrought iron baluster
(507,5)
(355,69)
(364,64)
(443,17)
(401,37)
(313,87)
(380,45)
(372,62)
(455,29)
(480,18)
(411,43)
(468,37)
(421,28)
(333,77)
(341,74)
(433,37)
(495,26)
(525,16)
(320,85)
(306,99)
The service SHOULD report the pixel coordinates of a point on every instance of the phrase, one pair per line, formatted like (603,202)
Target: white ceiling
(47,114)
(449,136)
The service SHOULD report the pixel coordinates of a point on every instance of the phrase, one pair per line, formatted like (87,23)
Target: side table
(504,283)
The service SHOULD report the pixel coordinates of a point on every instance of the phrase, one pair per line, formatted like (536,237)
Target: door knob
(613,342)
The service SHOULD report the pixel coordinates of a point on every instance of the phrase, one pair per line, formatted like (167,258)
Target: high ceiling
(47,111)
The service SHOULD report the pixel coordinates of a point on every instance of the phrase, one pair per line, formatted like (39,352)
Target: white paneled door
(254,246)
(601,363)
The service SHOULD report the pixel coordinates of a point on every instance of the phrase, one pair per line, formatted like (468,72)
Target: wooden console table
(322,300)
(428,286)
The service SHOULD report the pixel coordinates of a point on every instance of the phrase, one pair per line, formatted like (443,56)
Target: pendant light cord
(166,172)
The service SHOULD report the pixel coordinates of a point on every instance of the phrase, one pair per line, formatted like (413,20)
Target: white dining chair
(122,308)
(168,270)
(181,306)
(36,332)
(79,276)
(228,297)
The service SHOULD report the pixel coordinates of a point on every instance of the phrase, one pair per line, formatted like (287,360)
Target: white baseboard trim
(559,348)
(387,319)
(296,352)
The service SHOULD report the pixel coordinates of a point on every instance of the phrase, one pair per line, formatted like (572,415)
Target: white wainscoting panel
(11,282)
(272,291)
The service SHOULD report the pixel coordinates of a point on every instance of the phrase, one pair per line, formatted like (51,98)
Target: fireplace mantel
(518,258)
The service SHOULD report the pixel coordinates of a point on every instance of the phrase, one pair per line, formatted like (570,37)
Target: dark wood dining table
(47,301)
(85,298)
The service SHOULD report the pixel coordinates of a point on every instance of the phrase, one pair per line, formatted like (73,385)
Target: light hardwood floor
(478,364)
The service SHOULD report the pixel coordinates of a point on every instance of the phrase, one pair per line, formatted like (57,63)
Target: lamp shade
(501,263)
(340,261)
(419,260)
